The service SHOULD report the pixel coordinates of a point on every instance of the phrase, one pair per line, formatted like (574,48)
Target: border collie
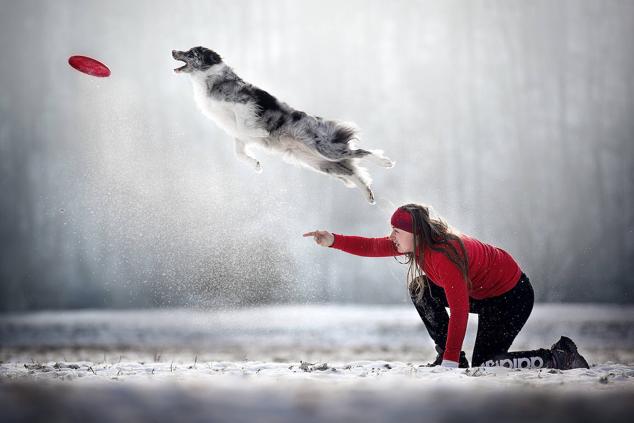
(253,116)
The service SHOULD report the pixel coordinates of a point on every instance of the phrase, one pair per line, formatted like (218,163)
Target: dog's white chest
(220,112)
(237,119)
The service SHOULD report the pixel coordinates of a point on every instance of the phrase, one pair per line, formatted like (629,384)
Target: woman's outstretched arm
(357,245)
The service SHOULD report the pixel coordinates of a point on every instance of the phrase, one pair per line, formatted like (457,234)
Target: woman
(452,270)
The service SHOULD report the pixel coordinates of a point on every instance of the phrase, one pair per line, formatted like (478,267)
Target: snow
(309,363)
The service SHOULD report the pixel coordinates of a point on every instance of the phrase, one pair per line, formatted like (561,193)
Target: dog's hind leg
(241,153)
(336,152)
(347,182)
(377,157)
(350,174)
(363,186)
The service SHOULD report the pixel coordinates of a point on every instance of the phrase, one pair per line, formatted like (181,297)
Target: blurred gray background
(513,119)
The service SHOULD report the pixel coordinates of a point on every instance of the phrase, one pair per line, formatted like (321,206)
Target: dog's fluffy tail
(344,132)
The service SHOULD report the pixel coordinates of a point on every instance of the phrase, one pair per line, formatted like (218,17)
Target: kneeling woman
(466,275)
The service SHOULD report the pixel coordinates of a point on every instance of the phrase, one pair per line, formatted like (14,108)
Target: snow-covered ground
(309,363)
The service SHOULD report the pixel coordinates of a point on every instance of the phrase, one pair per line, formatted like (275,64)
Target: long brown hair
(435,234)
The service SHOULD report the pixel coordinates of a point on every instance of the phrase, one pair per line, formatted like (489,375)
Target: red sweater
(492,272)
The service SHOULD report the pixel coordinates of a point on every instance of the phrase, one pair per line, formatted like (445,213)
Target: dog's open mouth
(177,55)
(180,69)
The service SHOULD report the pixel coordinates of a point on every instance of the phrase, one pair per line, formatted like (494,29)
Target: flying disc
(89,66)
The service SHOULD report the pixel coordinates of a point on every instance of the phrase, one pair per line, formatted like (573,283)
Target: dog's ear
(211,58)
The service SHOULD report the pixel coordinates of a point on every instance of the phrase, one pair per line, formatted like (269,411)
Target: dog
(253,116)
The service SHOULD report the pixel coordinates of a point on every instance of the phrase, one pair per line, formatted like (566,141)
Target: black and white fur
(253,116)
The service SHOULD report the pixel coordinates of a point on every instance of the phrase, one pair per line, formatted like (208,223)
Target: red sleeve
(457,293)
(366,247)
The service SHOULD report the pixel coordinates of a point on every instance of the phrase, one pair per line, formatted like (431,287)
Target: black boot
(563,356)
(566,356)
(463,364)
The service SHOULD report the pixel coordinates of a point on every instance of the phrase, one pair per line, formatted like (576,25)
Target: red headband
(402,219)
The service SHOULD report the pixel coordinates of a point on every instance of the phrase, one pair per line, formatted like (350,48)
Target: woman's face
(403,240)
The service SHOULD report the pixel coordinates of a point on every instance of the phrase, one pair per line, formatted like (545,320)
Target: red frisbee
(89,66)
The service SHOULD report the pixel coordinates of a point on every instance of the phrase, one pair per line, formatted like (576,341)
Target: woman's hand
(323,238)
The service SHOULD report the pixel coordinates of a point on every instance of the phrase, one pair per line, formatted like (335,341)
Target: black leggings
(499,318)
